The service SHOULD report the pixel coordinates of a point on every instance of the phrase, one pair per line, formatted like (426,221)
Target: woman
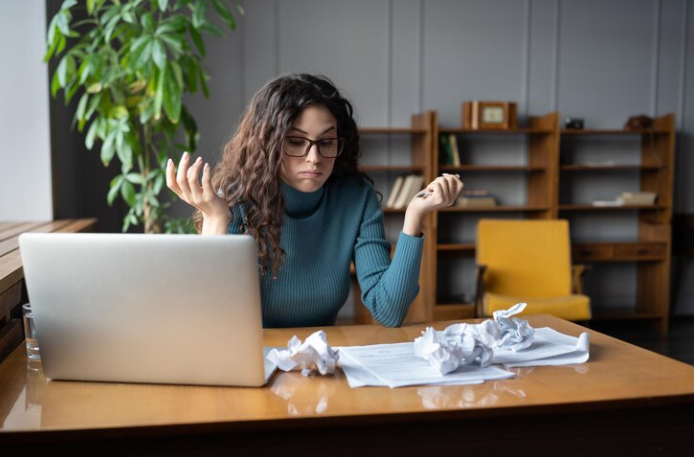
(289,178)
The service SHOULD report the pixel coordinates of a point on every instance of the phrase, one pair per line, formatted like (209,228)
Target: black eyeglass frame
(340,142)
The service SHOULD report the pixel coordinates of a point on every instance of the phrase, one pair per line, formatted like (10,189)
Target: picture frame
(489,115)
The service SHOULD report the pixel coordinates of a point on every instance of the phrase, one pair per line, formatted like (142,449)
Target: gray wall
(25,174)
(603,60)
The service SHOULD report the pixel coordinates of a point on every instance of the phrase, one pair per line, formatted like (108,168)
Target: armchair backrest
(529,258)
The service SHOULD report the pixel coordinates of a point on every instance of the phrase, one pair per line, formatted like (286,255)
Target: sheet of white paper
(358,376)
(549,348)
(395,365)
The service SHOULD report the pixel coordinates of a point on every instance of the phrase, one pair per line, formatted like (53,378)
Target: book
(443,150)
(413,184)
(397,186)
(476,202)
(401,199)
(476,198)
(453,141)
(638,198)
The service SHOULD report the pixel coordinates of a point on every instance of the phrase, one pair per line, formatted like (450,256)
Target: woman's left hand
(440,193)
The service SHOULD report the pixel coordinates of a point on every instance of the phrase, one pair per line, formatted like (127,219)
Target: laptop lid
(174,309)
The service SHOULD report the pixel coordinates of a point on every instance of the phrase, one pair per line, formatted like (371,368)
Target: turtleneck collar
(300,204)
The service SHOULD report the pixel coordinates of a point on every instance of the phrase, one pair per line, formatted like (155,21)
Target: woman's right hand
(186,185)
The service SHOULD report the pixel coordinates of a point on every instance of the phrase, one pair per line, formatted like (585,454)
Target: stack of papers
(396,365)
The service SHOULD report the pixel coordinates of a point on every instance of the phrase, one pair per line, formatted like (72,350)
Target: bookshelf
(535,164)
(535,169)
(648,253)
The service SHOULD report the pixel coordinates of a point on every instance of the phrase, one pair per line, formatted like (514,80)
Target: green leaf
(175,42)
(197,39)
(127,191)
(148,22)
(158,184)
(115,187)
(224,13)
(172,94)
(61,71)
(91,135)
(81,109)
(90,6)
(95,88)
(55,84)
(125,154)
(63,23)
(163,4)
(70,91)
(67,4)
(158,53)
(136,49)
(240,8)
(53,44)
(199,13)
(136,178)
(212,29)
(93,104)
(108,149)
(110,27)
(203,81)
(159,95)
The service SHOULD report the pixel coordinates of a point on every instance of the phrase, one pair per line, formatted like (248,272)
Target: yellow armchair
(528,261)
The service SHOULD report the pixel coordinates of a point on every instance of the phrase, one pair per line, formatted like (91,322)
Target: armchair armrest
(576,278)
(479,290)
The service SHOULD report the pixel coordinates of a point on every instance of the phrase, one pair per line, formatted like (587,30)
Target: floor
(678,344)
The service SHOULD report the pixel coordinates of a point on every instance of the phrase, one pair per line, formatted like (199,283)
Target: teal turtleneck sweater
(323,231)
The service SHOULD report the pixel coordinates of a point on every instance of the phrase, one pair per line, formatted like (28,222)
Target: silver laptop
(173,309)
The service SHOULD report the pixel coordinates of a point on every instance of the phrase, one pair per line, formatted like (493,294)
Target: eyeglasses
(329,148)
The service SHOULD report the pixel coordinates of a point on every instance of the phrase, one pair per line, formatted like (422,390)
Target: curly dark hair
(248,172)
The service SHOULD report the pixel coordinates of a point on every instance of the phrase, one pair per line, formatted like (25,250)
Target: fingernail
(168,162)
(198,160)
(185,155)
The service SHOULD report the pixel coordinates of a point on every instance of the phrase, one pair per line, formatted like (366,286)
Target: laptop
(171,309)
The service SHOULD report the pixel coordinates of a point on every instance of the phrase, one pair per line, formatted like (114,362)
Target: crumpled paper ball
(474,344)
(314,354)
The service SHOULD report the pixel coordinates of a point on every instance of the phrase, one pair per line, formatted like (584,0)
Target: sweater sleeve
(388,287)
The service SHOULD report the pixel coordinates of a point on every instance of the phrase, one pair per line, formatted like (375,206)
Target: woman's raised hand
(187,186)
(440,193)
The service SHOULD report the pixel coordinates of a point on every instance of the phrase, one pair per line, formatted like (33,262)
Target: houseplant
(130,62)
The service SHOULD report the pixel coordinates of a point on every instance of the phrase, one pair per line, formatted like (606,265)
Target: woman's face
(310,172)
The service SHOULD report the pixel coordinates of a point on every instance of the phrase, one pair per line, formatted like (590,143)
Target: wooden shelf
(394,168)
(520,131)
(616,132)
(522,168)
(619,252)
(467,247)
(584,207)
(581,167)
(391,130)
(493,209)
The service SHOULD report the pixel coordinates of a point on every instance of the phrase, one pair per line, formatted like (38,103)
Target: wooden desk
(624,401)
(12,291)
